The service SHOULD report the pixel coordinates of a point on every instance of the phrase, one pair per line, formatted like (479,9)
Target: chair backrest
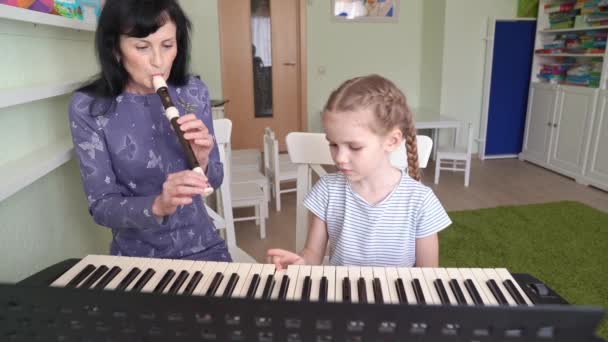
(223,133)
(469,138)
(311,150)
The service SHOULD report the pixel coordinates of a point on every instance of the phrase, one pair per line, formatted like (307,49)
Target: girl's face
(148,56)
(357,151)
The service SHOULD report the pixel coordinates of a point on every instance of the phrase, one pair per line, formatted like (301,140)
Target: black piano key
(514,292)
(378,297)
(164,281)
(284,287)
(362,290)
(100,271)
(143,280)
(418,291)
(234,278)
(215,283)
(253,287)
(470,285)
(108,278)
(346,297)
(196,278)
(306,289)
(496,292)
(179,281)
(443,295)
(323,290)
(268,287)
(457,292)
(81,275)
(401,291)
(124,283)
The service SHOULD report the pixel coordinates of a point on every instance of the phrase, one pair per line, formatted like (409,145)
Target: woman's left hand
(198,135)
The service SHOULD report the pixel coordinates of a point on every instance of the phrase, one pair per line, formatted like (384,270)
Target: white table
(442,122)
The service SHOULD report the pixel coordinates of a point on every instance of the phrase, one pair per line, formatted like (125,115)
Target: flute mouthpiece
(158,82)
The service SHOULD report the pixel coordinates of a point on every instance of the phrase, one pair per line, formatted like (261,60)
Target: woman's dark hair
(135,18)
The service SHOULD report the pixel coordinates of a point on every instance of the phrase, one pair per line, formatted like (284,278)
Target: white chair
(246,159)
(225,220)
(456,158)
(277,170)
(310,150)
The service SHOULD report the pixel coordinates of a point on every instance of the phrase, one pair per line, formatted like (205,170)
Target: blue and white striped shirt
(375,235)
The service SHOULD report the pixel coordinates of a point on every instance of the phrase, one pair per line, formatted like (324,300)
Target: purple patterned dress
(126,148)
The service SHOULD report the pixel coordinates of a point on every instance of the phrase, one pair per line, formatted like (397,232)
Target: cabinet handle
(554,125)
(549,124)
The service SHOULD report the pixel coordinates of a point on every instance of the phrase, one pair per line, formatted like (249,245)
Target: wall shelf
(22,14)
(20,173)
(11,97)
(570,54)
(595,28)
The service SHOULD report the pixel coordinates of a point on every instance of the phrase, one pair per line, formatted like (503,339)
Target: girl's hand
(178,189)
(198,135)
(282,258)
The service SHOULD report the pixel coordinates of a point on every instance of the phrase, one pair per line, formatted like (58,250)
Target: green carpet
(564,244)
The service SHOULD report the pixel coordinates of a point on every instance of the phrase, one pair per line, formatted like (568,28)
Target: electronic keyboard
(112,298)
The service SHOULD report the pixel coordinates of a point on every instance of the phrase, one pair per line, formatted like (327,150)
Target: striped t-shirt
(375,235)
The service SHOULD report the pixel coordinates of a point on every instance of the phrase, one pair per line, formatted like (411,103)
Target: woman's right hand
(178,189)
(282,258)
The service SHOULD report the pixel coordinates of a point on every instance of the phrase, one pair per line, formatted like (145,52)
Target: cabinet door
(541,105)
(571,129)
(597,162)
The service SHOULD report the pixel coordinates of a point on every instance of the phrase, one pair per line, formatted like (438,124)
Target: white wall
(463,55)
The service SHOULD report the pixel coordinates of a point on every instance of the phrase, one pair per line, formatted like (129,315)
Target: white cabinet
(558,128)
(597,161)
(541,109)
(571,129)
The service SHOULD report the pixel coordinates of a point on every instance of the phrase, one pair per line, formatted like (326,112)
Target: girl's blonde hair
(389,106)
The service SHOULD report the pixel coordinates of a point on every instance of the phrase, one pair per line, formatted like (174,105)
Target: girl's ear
(393,140)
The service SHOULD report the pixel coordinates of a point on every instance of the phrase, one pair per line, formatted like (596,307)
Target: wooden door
(287,70)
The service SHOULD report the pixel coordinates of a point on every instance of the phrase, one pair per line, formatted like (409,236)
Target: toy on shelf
(45,6)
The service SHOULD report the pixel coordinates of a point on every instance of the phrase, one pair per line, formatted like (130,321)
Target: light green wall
(464,55)
(433,14)
(48,221)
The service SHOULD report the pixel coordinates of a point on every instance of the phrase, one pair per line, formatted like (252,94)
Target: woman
(134,171)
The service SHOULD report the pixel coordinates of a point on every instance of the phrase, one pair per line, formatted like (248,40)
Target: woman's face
(148,56)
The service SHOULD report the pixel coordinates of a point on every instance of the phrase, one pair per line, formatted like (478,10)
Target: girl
(133,169)
(370,212)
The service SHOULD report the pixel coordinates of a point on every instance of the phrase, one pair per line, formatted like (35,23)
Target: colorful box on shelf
(45,6)
(86,10)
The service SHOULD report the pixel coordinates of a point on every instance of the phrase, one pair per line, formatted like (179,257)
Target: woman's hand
(282,258)
(178,189)
(198,135)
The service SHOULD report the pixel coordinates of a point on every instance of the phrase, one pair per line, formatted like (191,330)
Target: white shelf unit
(565,125)
(20,173)
(22,14)
(17,96)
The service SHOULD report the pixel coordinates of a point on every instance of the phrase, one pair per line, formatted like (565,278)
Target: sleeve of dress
(110,203)
(215,168)
(432,217)
(317,199)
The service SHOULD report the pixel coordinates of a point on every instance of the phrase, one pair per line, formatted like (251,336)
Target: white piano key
(391,279)
(194,267)
(66,277)
(230,269)
(429,297)
(379,272)
(504,274)
(243,272)
(316,273)
(208,271)
(481,278)
(179,266)
(491,274)
(354,273)
(442,274)
(278,279)
(143,264)
(292,273)
(341,273)
(453,273)
(255,269)
(221,268)
(406,277)
(161,268)
(126,264)
(429,277)
(267,269)
(303,272)
(466,273)
(329,272)
(367,273)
